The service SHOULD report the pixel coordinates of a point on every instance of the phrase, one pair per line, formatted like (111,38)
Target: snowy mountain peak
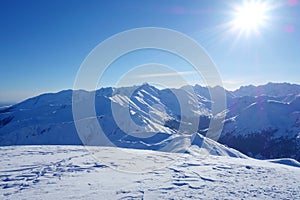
(269,89)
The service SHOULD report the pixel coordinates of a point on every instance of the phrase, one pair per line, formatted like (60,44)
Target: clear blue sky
(43,43)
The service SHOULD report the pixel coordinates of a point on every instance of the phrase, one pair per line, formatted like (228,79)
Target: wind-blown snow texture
(262,121)
(70,172)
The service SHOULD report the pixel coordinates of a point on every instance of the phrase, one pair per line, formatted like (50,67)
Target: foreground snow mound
(286,161)
(71,172)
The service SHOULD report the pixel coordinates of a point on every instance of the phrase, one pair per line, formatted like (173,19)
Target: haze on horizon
(44,43)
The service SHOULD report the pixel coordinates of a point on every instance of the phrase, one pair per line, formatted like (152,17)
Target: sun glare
(250,16)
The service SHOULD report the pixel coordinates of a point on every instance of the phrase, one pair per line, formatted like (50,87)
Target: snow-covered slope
(262,121)
(71,172)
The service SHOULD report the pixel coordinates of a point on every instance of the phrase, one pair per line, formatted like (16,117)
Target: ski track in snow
(70,172)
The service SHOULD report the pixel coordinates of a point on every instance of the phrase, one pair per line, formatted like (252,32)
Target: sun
(250,16)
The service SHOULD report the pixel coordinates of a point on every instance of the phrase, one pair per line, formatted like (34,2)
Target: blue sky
(43,43)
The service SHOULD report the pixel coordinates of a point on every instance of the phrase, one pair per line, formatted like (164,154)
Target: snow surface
(73,172)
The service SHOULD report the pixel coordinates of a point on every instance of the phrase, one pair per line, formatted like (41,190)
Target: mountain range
(259,121)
